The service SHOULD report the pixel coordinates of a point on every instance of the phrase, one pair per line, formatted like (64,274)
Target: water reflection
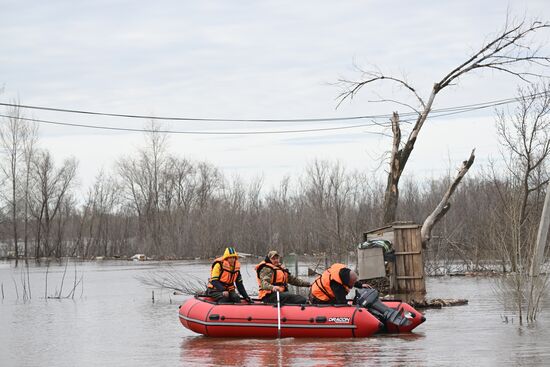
(229,352)
(273,352)
(382,350)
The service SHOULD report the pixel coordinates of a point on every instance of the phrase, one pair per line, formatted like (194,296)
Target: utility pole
(542,236)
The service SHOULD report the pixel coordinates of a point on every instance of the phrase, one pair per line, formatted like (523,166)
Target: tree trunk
(444,205)
(391,195)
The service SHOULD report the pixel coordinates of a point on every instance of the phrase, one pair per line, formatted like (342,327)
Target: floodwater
(112,321)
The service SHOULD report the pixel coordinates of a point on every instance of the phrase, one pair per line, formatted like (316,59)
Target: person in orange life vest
(334,285)
(273,277)
(225,274)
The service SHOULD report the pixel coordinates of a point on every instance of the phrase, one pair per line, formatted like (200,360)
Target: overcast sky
(251,60)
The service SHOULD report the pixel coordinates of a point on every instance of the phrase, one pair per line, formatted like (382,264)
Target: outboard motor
(368,298)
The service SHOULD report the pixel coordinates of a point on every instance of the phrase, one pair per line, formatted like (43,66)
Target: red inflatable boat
(203,316)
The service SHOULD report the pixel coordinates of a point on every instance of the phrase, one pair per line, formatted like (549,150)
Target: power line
(169,118)
(448,111)
(439,113)
(193,132)
(320,119)
(435,114)
(487,104)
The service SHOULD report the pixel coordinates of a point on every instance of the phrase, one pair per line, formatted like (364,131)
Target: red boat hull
(258,320)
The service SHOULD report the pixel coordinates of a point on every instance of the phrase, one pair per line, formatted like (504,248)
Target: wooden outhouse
(406,271)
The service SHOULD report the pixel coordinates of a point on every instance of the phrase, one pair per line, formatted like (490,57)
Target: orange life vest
(228,274)
(279,278)
(321,289)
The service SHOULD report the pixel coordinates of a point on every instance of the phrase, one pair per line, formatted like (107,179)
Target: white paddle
(278,316)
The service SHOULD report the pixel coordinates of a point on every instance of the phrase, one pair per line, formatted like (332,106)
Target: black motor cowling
(368,298)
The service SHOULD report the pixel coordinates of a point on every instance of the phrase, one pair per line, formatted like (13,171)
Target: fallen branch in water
(174,280)
(439,303)
(58,294)
(180,283)
(71,293)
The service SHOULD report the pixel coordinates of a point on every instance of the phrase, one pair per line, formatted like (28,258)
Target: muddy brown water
(112,321)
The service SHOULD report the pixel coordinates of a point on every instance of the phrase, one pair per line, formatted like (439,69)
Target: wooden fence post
(542,236)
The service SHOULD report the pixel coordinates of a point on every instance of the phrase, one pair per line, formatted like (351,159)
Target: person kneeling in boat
(334,284)
(225,274)
(273,277)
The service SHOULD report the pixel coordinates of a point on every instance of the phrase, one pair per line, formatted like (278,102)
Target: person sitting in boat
(334,284)
(273,277)
(225,274)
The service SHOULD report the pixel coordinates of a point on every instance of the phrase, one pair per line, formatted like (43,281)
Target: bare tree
(510,51)
(280,223)
(207,209)
(141,182)
(525,134)
(103,198)
(525,137)
(29,147)
(178,193)
(51,186)
(338,199)
(17,136)
(256,232)
(315,186)
(327,193)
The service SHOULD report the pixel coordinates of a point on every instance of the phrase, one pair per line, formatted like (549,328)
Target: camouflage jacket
(266,274)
